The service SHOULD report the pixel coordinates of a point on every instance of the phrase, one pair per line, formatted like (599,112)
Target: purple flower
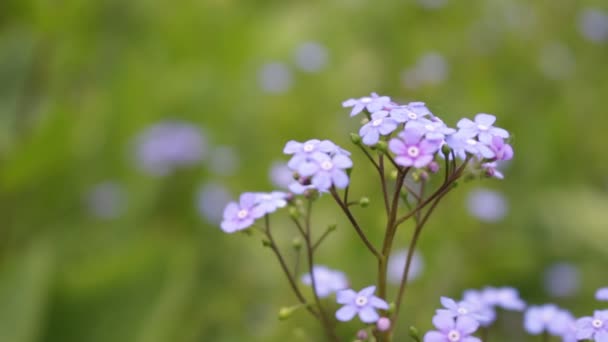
(363,303)
(383,324)
(212,198)
(380,124)
(463,144)
(326,171)
(327,281)
(413,111)
(504,297)
(396,264)
(412,150)
(280,175)
(463,308)
(106,200)
(501,150)
(302,152)
(487,205)
(167,146)
(547,318)
(562,279)
(595,327)
(482,128)
(450,330)
(270,202)
(238,216)
(487,310)
(432,130)
(491,170)
(593,25)
(372,103)
(602,294)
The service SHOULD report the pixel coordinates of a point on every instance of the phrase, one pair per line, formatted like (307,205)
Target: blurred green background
(80,80)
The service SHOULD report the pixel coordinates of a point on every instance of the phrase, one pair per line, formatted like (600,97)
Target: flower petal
(368,315)
(434,336)
(485,119)
(443,322)
(368,291)
(346,296)
(346,313)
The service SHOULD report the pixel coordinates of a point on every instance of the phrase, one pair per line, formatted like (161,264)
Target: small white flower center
(454,336)
(242,213)
(412,115)
(429,128)
(462,311)
(266,197)
(472,142)
(327,165)
(361,300)
(483,127)
(309,147)
(377,122)
(413,151)
(597,323)
(366,100)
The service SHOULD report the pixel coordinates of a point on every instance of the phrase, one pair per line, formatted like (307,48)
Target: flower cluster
(251,206)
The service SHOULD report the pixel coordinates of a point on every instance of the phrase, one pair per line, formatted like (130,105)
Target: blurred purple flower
(106,200)
(432,69)
(239,216)
(380,124)
(549,318)
(482,128)
(372,103)
(223,160)
(452,330)
(363,303)
(487,205)
(383,324)
(275,78)
(463,308)
(488,313)
(170,145)
(412,150)
(593,24)
(503,297)
(327,280)
(491,170)
(602,294)
(396,264)
(595,327)
(212,199)
(562,279)
(311,56)
(501,150)
(280,175)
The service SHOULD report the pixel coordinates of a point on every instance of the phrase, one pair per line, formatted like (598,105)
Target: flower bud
(296,243)
(332,227)
(382,146)
(383,324)
(433,167)
(355,138)
(293,212)
(362,335)
(266,243)
(364,202)
(445,149)
(391,308)
(424,176)
(416,177)
(414,333)
(286,312)
(393,175)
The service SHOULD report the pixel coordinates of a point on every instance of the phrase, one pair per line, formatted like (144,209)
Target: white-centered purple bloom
(502,151)
(602,294)
(452,330)
(212,198)
(303,152)
(326,171)
(562,279)
(413,111)
(396,265)
(431,129)
(411,149)
(380,124)
(241,215)
(546,318)
(106,200)
(482,128)
(362,303)
(488,313)
(327,280)
(270,202)
(170,145)
(503,297)
(487,205)
(462,144)
(463,308)
(593,328)
(372,103)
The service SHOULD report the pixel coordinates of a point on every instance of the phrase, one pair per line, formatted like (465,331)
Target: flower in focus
(327,281)
(462,144)
(413,111)
(595,327)
(241,215)
(463,308)
(302,152)
(380,124)
(481,128)
(549,318)
(363,303)
(602,294)
(326,171)
(270,202)
(501,150)
(169,145)
(491,170)
(452,330)
(396,265)
(412,150)
(372,103)
(431,129)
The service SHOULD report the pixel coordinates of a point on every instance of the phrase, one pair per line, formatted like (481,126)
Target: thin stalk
(383,182)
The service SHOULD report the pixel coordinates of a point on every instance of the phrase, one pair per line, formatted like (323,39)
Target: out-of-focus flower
(549,318)
(602,294)
(556,61)
(412,150)
(503,297)
(383,324)
(280,175)
(275,78)
(396,264)
(380,124)
(212,199)
(170,145)
(488,313)
(491,170)
(501,150)
(239,216)
(430,69)
(595,327)
(363,303)
(482,128)
(487,205)
(593,24)
(311,56)
(432,4)
(327,281)
(106,200)
(562,279)
(270,202)
(452,330)
(463,308)
(223,160)
(372,103)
